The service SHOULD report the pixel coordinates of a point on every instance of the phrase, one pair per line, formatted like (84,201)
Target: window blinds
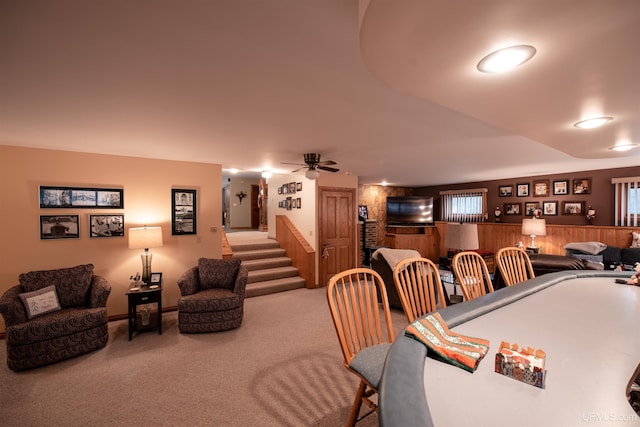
(626,201)
(464,205)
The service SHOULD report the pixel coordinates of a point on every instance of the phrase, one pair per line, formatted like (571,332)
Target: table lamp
(533,227)
(145,237)
(461,236)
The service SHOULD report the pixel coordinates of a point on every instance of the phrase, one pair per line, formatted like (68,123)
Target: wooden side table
(145,295)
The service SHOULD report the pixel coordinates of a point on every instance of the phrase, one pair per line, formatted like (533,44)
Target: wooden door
(255,209)
(337,231)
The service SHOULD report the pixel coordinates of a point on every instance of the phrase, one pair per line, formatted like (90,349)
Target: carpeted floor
(282,367)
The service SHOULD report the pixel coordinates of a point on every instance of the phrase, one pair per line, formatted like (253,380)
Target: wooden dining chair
(419,287)
(514,265)
(472,275)
(362,319)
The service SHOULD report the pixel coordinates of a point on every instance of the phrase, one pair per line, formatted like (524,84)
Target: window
(626,201)
(464,205)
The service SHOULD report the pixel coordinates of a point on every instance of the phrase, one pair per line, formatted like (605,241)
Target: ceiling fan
(312,163)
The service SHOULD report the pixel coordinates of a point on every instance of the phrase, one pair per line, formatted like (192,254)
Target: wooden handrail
(227,252)
(302,255)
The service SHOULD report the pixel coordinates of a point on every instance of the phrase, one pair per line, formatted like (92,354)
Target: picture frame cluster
(290,202)
(546,188)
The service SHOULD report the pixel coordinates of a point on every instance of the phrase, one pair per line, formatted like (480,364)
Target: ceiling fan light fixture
(506,59)
(312,174)
(593,122)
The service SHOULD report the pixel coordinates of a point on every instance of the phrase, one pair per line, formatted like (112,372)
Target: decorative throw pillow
(592,248)
(72,284)
(635,240)
(40,302)
(217,273)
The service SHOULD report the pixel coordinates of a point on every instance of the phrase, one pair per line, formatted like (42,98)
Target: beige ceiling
(388,89)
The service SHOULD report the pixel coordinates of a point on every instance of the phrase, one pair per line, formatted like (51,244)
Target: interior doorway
(336,231)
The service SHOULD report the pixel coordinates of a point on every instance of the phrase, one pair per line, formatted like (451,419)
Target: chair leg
(357,403)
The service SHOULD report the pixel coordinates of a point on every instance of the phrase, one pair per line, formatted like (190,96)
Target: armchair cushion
(72,284)
(217,273)
(42,301)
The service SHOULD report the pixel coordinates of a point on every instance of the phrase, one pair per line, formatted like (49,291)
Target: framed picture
(285,188)
(292,187)
(299,186)
(279,190)
(513,208)
(363,212)
(183,212)
(523,190)
(298,203)
(81,197)
(550,208)
(155,279)
(541,188)
(505,191)
(572,208)
(289,204)
(530,208)
(59,227)
(582,186)
(106,225)
(561,187)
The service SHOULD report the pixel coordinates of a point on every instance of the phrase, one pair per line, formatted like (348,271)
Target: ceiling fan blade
(327,168)
(299,169)
(295,164)
(327,162)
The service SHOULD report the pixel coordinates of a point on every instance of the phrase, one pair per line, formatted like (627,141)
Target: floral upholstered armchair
(212,296)
(53,315)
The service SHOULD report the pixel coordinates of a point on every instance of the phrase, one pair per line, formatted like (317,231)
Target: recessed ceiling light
(233,170)
(506,59)
(623,147)
(592,123)
(266,174)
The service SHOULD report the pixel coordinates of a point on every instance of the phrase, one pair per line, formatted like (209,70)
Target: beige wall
(147,188)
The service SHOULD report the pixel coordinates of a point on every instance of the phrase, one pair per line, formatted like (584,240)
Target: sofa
(613,258)
(383,261)
(54,315)
(212,296)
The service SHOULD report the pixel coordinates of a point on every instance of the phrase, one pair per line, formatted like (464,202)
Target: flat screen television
(410,210)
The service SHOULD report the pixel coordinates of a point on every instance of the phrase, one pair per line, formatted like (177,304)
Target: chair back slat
(419,287)
(360,310)
(514,265)
(472,274)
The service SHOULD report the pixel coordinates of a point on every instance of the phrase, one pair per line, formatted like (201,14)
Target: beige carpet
(282,367)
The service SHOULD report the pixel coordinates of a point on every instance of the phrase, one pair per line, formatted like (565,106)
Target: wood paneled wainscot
(422,239)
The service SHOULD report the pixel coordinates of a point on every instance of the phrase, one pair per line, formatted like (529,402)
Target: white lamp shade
(145,237)
(312,174)
(534,227)
(461,236)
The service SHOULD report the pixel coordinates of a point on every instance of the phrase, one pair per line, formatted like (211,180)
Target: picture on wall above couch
(561,187)
(106,225)
(59,227)
(572,208)
(81,197)
(582,186)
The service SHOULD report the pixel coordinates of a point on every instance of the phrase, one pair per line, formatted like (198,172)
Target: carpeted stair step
(250,246)
(271,274)
(273,286)
(264,263)
(260,253)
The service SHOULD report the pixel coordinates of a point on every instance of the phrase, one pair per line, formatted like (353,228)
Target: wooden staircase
(270,270)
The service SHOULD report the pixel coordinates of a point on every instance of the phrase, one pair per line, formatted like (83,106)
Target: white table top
(589,329)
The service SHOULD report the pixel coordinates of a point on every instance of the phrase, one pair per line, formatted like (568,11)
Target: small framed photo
(550,208)
(183,212)
(292,187)
(155,279)
(582,186)
(106,225)
(59,227)
(541,188)
(299,186)
(572,208)
(523,190)
(513,208)
(298,202)
(363,212)
(279,190)
(530,208)
(561,187)
(289,204)
(285,188)
(505,191)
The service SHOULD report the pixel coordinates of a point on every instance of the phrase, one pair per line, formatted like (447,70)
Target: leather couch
(73,322)
(383,261)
